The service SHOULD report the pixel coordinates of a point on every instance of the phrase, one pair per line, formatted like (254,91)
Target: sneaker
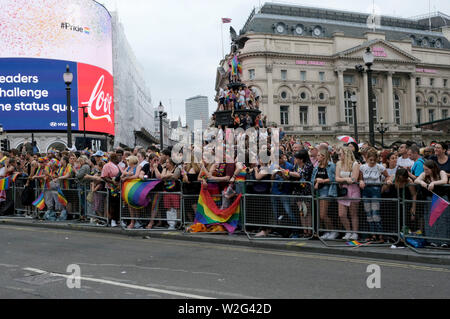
(137,225)
(434,245)
(171,227)
(280,217)
(325,236)
(333,235)
(347,236)
(123,225)
(354,236)
(444,246)
(294,236)
(113,223)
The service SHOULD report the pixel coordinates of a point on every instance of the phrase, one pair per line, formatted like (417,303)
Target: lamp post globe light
(68,78)
(354,99)
(368,58)
(162,115)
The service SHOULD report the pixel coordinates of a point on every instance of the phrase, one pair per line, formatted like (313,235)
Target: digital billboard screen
(39,38)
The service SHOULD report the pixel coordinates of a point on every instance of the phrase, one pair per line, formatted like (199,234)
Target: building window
(445,82)
(303,95)
(348,79)
(418,81)
(374,81)
(444,114)
(431,81)
(431,100)
(303,115)
(444,100)
(284,75)
(430,115)
(322,76)
(396,109)
(284,115)
(284,95)
(321,96)
(322,115)
(303,75)
(396,81)
(348,107)
(418,99)
(419,116)
(251,74)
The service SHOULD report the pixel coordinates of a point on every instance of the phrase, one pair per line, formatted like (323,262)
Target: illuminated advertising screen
(38,40)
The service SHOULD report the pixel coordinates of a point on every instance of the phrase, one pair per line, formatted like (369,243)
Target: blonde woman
(347,173)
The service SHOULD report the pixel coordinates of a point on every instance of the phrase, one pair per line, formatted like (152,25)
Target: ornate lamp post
(353,99)
(382,130)
(368,61)
(68,78)
(162,115)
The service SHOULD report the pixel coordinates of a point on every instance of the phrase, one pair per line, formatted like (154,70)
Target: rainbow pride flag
(135,192)
(353,243)
(39,203)
(4,184)
(209,214)
(438,206)
(61,198)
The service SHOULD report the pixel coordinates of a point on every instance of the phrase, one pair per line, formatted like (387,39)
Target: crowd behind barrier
(342,195)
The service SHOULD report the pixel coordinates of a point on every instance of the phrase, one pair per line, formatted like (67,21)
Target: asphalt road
(34,261)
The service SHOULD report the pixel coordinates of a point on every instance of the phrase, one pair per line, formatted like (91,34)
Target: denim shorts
(324,191)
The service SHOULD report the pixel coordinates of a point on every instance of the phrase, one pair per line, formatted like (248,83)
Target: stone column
(341,109)
(364,105)
(271,112)
(413,109)
(389,113)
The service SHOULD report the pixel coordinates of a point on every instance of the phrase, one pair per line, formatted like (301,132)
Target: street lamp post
(382,130)
(68,78)
(84,126)
(355,124)
(368,61)
(162,115)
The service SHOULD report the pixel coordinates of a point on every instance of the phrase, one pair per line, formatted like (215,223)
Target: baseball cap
(99,154)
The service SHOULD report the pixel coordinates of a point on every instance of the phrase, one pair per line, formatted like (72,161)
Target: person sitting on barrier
(302,172)
(404,189)
(323,174)
(347,173)
(432,181)
(370,178)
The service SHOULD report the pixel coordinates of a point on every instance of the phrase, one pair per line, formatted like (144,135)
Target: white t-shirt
(405,162)
(372,175)
(221,93)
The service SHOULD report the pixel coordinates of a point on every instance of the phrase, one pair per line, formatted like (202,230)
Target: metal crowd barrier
(361,216)
(288,214)
(282,214)
(97,207)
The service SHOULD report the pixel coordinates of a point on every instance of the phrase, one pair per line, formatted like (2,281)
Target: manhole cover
(40,280)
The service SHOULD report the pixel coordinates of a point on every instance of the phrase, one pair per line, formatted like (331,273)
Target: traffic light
(4,145)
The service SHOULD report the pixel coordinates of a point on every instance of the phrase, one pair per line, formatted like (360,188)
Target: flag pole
(221,29)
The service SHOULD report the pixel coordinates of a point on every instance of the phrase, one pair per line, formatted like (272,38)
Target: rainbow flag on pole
(135,192)
(209,214)
(438,206)
(61,198)
(4,184)
(39,203)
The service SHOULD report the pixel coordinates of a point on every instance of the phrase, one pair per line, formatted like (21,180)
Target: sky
(179,42)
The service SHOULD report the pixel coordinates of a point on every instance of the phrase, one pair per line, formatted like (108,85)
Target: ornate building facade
(302,60)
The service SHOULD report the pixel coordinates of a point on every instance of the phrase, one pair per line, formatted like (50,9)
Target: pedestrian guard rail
(296,210)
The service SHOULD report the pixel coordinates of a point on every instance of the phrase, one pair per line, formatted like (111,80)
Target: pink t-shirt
(110,170)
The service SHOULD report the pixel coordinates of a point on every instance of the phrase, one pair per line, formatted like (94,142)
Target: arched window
(397,109)
(57,146)
(348,107)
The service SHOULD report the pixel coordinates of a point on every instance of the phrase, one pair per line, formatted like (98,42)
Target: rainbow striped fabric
(39,203)
(438,206)
(4,183)
(61,198)
(353,243)
(209,214)
(135,192)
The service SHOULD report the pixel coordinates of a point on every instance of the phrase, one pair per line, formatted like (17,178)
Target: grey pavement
(34,261)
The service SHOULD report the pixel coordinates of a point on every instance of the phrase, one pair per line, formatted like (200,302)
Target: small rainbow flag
(39,203)
(14,177)
(135,192)
(438,206)
(209,214)
(87,30)
(4,184)
(61,198)
(353,243)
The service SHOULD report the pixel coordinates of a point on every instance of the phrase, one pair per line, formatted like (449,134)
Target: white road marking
(114,283)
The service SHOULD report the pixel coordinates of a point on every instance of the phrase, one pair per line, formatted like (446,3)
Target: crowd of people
(353,174)
(238,98)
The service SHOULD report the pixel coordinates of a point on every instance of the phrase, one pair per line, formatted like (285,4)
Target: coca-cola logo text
(101,102)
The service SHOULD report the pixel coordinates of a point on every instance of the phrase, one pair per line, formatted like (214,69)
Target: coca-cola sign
(96,94)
